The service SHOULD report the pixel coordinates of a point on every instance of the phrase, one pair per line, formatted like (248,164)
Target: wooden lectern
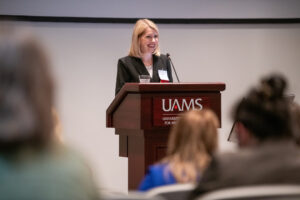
(142,114)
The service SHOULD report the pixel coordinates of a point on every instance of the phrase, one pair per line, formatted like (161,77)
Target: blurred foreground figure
(268,152)
(33,165)
(192,142)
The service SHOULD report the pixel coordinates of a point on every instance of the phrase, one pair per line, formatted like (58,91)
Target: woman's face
(149,41)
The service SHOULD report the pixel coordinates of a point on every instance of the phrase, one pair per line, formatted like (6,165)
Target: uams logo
(169,105)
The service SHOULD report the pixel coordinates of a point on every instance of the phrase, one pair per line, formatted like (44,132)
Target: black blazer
(129,69)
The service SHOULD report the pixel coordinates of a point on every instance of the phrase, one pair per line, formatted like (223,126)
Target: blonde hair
(193,139)
(139,29)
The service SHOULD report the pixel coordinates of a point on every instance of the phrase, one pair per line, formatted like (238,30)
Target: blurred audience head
(264,114)
(26,90)
(193,139)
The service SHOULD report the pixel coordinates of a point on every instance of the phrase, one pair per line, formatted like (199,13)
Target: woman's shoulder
(161,173)
(159,167)
(127,59)
(161,56)
(65,155)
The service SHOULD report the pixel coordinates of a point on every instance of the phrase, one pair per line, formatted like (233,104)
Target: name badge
(163,75)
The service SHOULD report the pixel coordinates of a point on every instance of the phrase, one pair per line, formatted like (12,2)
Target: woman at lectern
(192,141)
(144,57)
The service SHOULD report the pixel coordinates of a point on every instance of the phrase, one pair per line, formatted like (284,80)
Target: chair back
(132,195)
(259,192)
(172,192)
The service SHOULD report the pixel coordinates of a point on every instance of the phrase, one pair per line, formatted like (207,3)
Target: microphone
(168,56)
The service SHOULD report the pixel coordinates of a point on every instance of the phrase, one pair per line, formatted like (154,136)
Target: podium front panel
(142,115)
(167,108)
(150,111)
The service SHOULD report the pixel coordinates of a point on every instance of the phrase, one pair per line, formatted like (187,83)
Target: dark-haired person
(33,165)
(268,153)
(144,57)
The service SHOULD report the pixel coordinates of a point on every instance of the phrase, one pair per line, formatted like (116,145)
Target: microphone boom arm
(168,56)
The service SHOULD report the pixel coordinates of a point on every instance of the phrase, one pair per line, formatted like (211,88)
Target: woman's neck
(147,59)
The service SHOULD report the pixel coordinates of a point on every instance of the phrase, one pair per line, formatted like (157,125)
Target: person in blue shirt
(192,141)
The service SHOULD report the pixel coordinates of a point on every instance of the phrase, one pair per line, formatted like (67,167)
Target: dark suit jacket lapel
(155,77)
(140,67)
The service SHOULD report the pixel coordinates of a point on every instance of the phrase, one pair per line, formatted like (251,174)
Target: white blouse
(150,70)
